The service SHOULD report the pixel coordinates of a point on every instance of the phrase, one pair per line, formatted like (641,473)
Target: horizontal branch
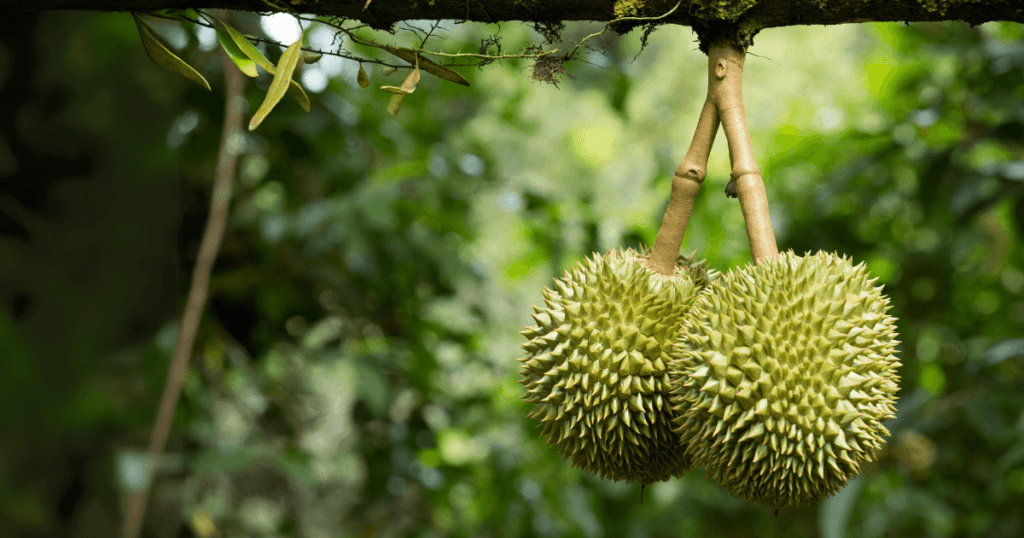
(743,18)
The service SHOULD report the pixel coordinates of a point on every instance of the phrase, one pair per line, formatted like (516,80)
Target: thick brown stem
(135,508)
(685,184)
(725,88)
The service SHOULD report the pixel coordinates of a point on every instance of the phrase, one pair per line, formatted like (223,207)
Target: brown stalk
(227,156)
(685,184)
(724,105)
(725,88)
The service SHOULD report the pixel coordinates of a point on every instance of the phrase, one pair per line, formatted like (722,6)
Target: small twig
(338,54)
(213,234)
(272,42)
(489,57)
(621,19)
(417,31)
(360,41)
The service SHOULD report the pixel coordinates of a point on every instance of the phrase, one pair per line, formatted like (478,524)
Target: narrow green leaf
(280,84)
(254,54)
(162,56)
(313,57)
(300,95)
(395,103)
(244,63)
(431,67)
(247,48)
(361,78)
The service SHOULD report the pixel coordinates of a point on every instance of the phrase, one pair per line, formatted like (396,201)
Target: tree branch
(197,294)
(743,18)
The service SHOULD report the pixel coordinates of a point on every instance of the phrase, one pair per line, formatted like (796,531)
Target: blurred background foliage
(355,374)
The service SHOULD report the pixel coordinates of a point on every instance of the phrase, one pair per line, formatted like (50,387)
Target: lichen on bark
(722,10)
(628,8)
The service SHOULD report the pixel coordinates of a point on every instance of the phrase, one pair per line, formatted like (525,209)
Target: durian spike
(725,91)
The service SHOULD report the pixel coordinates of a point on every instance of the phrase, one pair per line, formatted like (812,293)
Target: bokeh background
(355,374)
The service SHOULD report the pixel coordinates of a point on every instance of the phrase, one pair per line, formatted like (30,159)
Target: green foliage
(356,371)
(282,79)
(157,50)
(245,64)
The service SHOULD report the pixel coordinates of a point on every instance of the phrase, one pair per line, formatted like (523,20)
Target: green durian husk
(597,364)
(783,375)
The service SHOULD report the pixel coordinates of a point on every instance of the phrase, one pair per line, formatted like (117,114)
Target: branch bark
(725,89)
(709,18)
(686,184)
(227,157)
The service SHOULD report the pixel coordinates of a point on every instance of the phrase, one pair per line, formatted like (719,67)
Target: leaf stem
(572,53)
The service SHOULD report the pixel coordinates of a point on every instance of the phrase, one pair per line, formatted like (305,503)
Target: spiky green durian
(596,365)
(783,375)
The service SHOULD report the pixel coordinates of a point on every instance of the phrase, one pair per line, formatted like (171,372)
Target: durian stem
(725,90)
(685,184)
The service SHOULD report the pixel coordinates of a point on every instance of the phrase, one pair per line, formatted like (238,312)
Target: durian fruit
(782,377)
(596,364)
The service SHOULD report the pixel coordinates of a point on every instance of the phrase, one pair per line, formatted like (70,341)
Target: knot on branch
(688,172)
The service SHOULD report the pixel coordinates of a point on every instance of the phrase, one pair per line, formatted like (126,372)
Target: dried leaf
(411,80)
(395,103)
(408,85)
(280,84)
(244,63)
(162,56)
(429,66)
(362,79)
